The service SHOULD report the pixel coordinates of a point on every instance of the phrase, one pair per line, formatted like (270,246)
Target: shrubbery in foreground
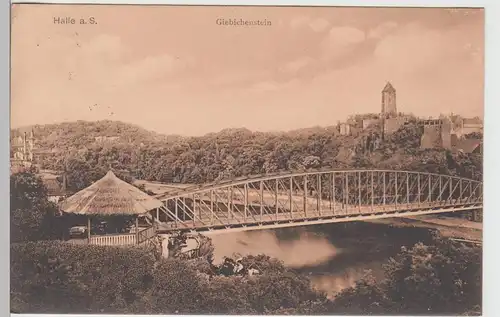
(55,277)
(443,278)
(31,214)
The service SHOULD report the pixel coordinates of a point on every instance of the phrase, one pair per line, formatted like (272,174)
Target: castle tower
(389,101)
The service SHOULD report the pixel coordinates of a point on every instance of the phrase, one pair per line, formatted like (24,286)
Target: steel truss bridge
(297,199)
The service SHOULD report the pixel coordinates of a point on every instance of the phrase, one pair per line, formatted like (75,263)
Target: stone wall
(344,129)
(446,135)
(431,138)
(355,131)
(369,122)
(392,125)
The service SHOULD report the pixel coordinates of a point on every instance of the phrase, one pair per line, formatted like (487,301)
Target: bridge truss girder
(303,197)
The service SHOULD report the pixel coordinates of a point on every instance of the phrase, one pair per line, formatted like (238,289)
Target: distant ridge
(85,133)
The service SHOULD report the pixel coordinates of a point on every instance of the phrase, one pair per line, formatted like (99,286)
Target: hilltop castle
(445,132)
(389,119)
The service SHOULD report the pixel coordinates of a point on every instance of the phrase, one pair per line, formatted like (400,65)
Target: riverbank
(450,227)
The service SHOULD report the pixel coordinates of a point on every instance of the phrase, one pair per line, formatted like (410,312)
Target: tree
(311,161)
(81,173)
(31,214)
(439,279)
(177,289)
(230,153)
(273,291)
(366,297)
(360,160)
(229,296)
(442,278)
(89,278)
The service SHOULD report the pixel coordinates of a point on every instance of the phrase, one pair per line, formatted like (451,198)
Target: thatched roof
(110,196)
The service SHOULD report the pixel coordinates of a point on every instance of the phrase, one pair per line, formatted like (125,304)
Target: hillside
(77,135)
(89,149)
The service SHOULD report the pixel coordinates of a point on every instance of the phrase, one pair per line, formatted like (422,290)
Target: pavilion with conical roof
(110,196)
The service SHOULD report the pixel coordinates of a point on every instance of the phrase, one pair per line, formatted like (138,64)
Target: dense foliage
(438,279)
(234,152)
(31,214)
(94,279)
(76,135)
(442,278)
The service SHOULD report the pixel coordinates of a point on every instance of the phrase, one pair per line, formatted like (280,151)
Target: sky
(175,70)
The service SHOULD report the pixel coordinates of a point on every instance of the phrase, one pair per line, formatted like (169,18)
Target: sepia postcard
(246,160)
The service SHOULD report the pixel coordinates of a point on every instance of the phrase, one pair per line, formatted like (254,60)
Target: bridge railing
(303,195)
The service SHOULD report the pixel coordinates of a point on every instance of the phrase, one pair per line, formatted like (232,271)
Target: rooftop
(110,196)
(472,121)
(469,145)
(388,88)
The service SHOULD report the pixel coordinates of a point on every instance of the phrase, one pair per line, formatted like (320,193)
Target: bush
(288,290)
(92,279)
(57,277)
(177,288)
(443,278)
(31,214)
(440,279)
(229,295)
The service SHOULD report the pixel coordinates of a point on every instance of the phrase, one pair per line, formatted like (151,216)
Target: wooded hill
(88,149)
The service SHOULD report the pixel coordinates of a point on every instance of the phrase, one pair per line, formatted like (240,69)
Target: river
(336,255)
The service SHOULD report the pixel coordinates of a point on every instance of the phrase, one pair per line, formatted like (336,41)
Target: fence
(124,239)
(146,234)
(114,240)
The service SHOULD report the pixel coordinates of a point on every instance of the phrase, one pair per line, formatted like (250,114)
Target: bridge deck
(226,220)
